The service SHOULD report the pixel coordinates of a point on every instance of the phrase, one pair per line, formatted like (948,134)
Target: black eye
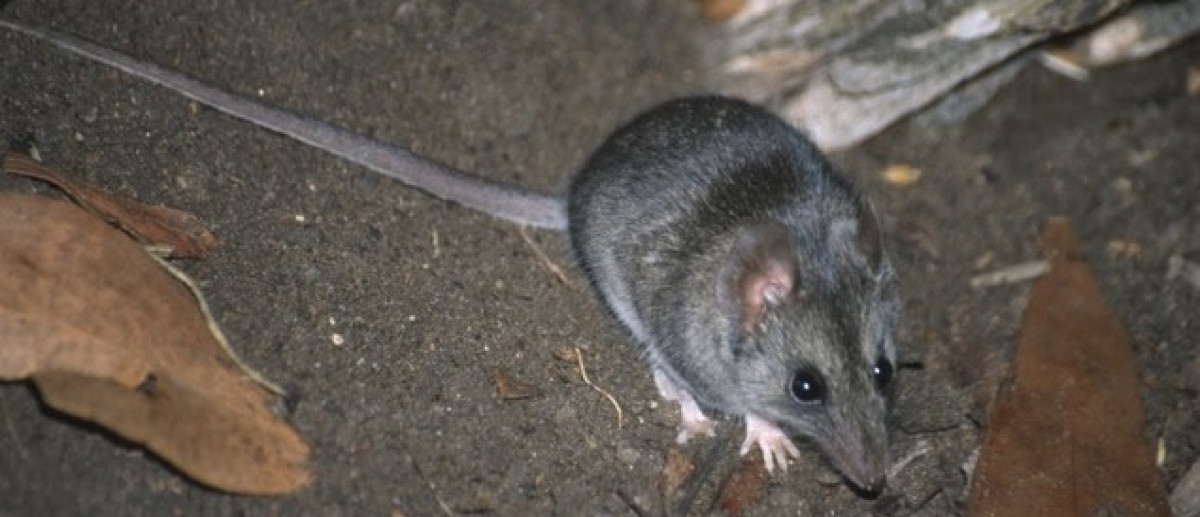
(881,373)
(807,387)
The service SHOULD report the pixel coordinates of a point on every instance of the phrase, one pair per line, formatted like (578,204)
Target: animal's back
(664,196)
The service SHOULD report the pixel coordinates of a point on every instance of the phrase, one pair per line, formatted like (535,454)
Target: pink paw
(775,445)
(693,421)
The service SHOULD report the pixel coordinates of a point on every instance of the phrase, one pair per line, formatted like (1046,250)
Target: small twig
(632,503)
(921,449)
(437,249)
(1011,275)
(546,262)
(611,399)
(432,488)
(216,330)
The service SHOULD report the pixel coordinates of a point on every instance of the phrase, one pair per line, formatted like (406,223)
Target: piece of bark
(1066,434)
(182,233)
(843,71)
(108,335)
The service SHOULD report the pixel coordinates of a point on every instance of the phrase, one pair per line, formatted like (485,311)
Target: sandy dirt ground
(403,417)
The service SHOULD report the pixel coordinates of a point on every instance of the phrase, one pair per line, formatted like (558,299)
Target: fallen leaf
(744,486)
(182,424)
(1066,434)
(109,335)
(675,472)
(509,388)
(182,233)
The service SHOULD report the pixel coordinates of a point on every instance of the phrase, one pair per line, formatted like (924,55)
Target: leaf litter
(110,335)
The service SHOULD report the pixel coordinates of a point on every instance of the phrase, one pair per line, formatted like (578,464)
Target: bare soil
(403,417)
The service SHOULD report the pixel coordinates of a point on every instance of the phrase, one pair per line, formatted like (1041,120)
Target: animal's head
(814,349)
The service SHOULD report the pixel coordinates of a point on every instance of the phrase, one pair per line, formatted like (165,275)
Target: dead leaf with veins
(1067,433)
(110,336)
(181,233)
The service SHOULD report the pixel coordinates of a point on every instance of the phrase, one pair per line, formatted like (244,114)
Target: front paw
(693,421)
(775,445)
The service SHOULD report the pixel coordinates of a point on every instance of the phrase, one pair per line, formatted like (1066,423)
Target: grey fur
(654,217)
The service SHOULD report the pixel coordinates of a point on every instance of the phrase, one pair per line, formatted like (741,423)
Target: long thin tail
(496,199)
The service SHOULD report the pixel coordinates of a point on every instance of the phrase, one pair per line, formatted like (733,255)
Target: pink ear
(764,287)
(761,271)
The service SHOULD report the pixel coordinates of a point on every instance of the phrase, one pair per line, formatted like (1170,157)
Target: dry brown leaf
(183,233)
(675,472)
(221,445)
(744,486)
(110,336)
(509,388)
(1066,434)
